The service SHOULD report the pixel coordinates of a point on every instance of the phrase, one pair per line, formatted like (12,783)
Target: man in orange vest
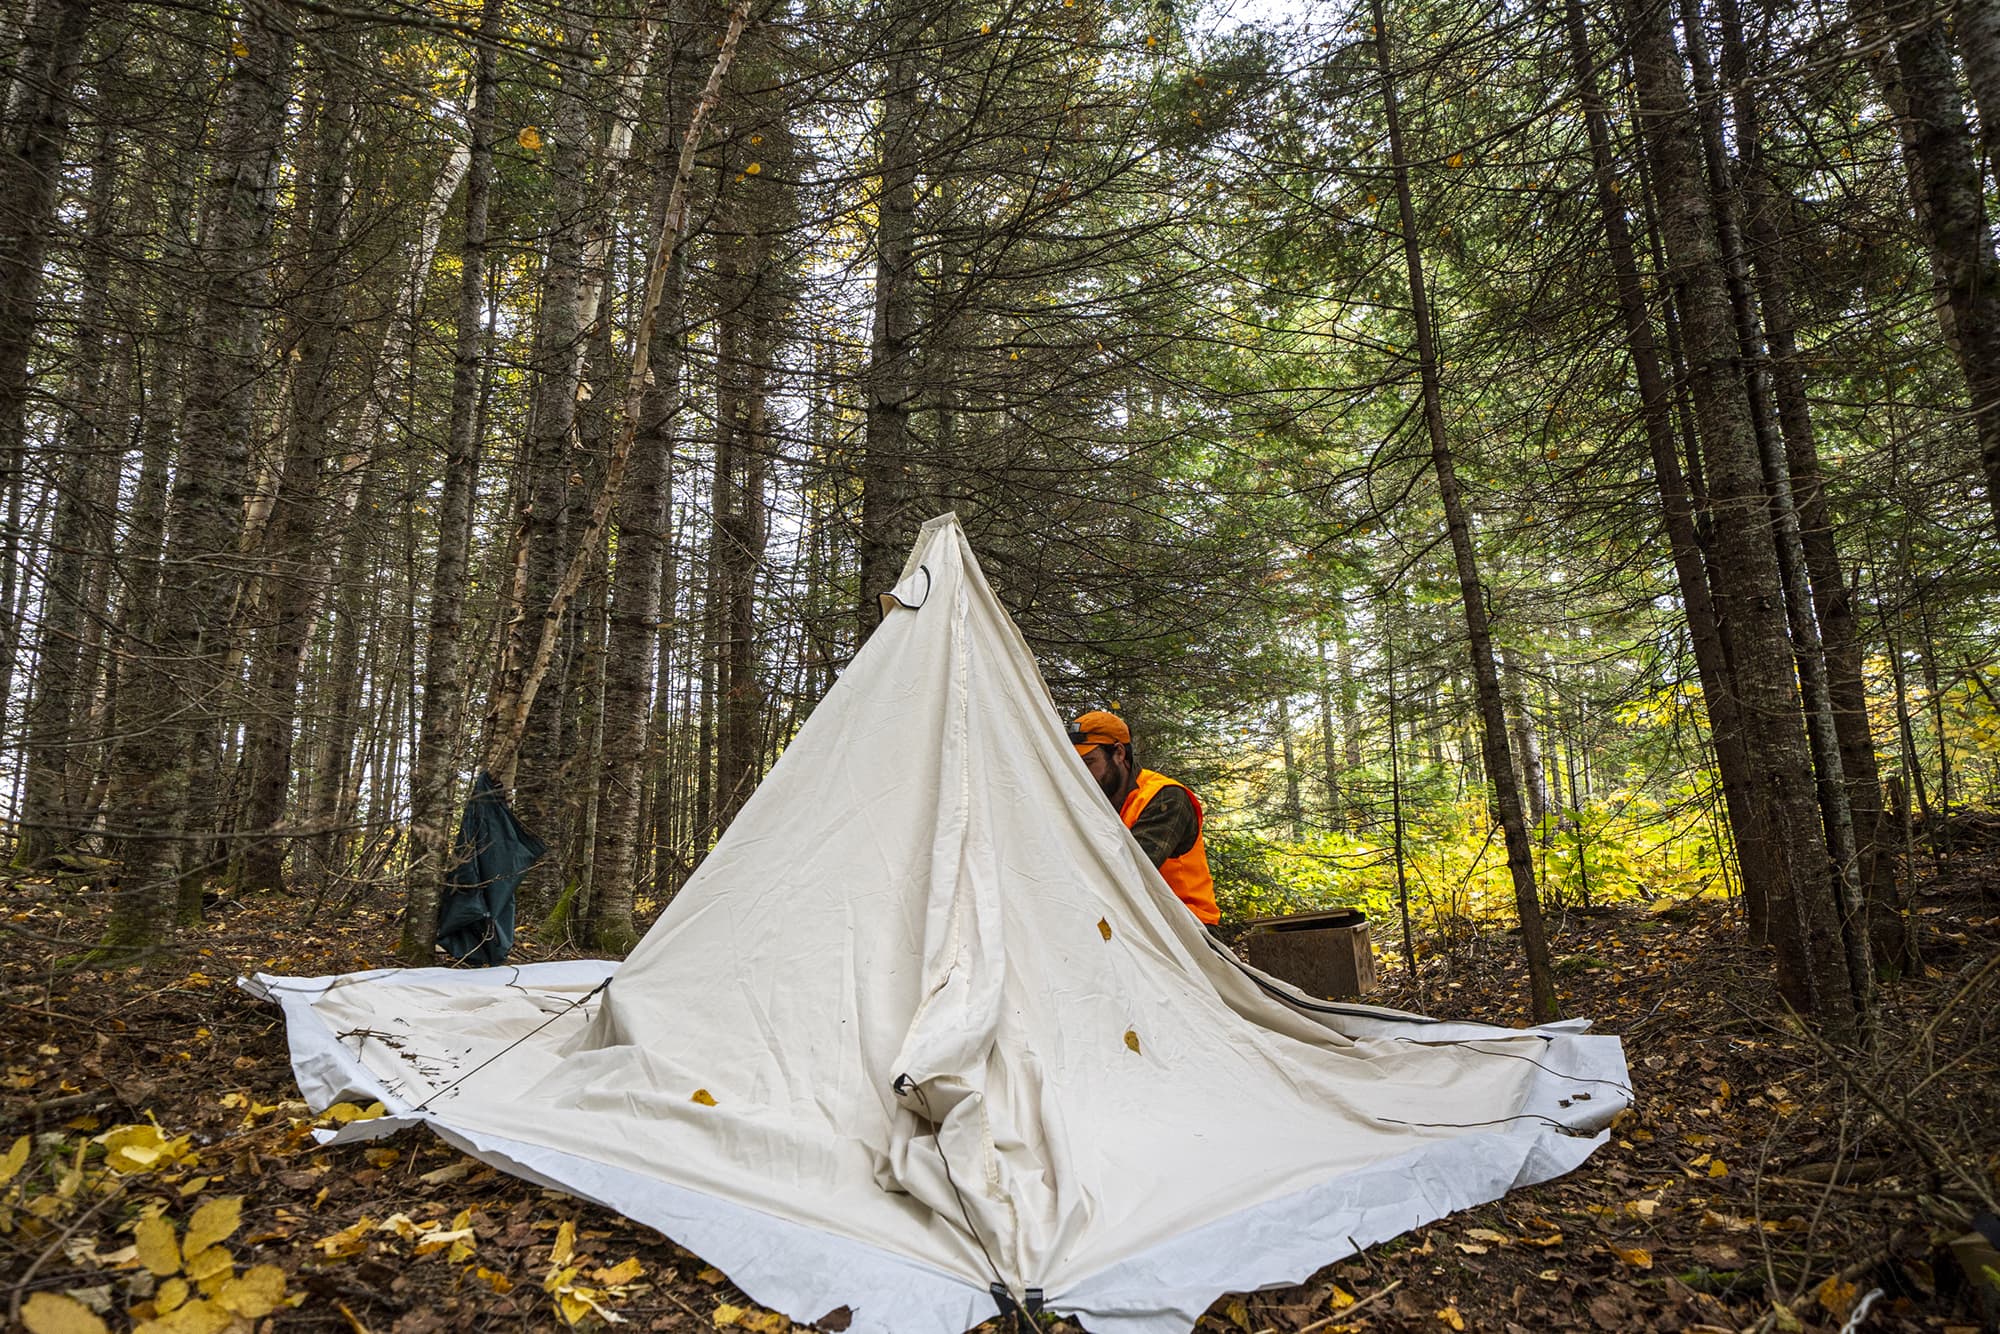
(1163,815)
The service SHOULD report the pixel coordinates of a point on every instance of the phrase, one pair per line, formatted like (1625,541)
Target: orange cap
(1099,728)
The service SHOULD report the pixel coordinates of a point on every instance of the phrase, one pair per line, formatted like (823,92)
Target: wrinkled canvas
(926,1020)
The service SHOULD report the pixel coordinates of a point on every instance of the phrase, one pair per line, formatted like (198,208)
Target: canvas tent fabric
(492,852)
(926,1026)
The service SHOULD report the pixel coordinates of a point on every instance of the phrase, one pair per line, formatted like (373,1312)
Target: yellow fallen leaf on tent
(158,1250)
(257,1293)
(53,1313)
(704,1097)
(1637,1256)
(213,1222)
(1131,1039)
(1103,929)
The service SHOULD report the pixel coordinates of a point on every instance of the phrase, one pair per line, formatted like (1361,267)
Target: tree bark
(444,686)
(30,172)
(1812,961)
(52,804)
(178,690)
(292,571)
(888,518)
(1492,709)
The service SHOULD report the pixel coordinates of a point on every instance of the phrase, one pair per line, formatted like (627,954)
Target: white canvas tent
(926,1034)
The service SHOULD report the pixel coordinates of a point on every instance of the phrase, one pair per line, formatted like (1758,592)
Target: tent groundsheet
(926,1036)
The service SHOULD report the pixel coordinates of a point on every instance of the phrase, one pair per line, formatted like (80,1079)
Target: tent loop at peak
(895,596)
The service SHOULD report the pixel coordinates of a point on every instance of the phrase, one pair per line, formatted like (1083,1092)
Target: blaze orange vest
(1186,874)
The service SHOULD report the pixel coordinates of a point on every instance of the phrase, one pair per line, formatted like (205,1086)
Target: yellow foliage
(53,1313)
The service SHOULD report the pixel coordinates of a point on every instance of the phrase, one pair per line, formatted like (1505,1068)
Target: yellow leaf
(213,1222)
(622,1273)
(767,1322)
(529,138)
(239,48)
(1131,1039)
(753,169)
(726,1315)
(10,1166)
(53,1313)
(194,1186)
(1718,1168)
(171,1294)
(1638,1256)
(348,1241)
(565,1246)
(382,1157)
(709,1275)
(703,1096)
(1103,929)
(1552,1239)
(499,1282)
(214,1263)
(573,1304)
(1238,1313)
(1837,1297)
(1450,1316)
(157,1249)
(1488,1234)
(258,1293)
(1455,160)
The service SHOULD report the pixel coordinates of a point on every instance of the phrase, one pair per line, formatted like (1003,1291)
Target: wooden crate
(1324,954)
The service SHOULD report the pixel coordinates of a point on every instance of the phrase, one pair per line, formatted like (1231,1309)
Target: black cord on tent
(1003,1296)
(578,1003)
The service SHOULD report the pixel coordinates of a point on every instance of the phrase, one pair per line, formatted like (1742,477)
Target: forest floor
(1762,1182)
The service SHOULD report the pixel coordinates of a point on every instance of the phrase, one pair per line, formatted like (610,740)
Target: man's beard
(1116,775)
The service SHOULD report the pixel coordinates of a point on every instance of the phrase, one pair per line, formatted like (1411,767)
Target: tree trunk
(888,521)
(1492,710)
(1812,961)
(1534,777)
(51,800)
(1831,599)
(644,515)
(1921,86)
(177,691)
(30,173)
(291,539)
(444,685)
